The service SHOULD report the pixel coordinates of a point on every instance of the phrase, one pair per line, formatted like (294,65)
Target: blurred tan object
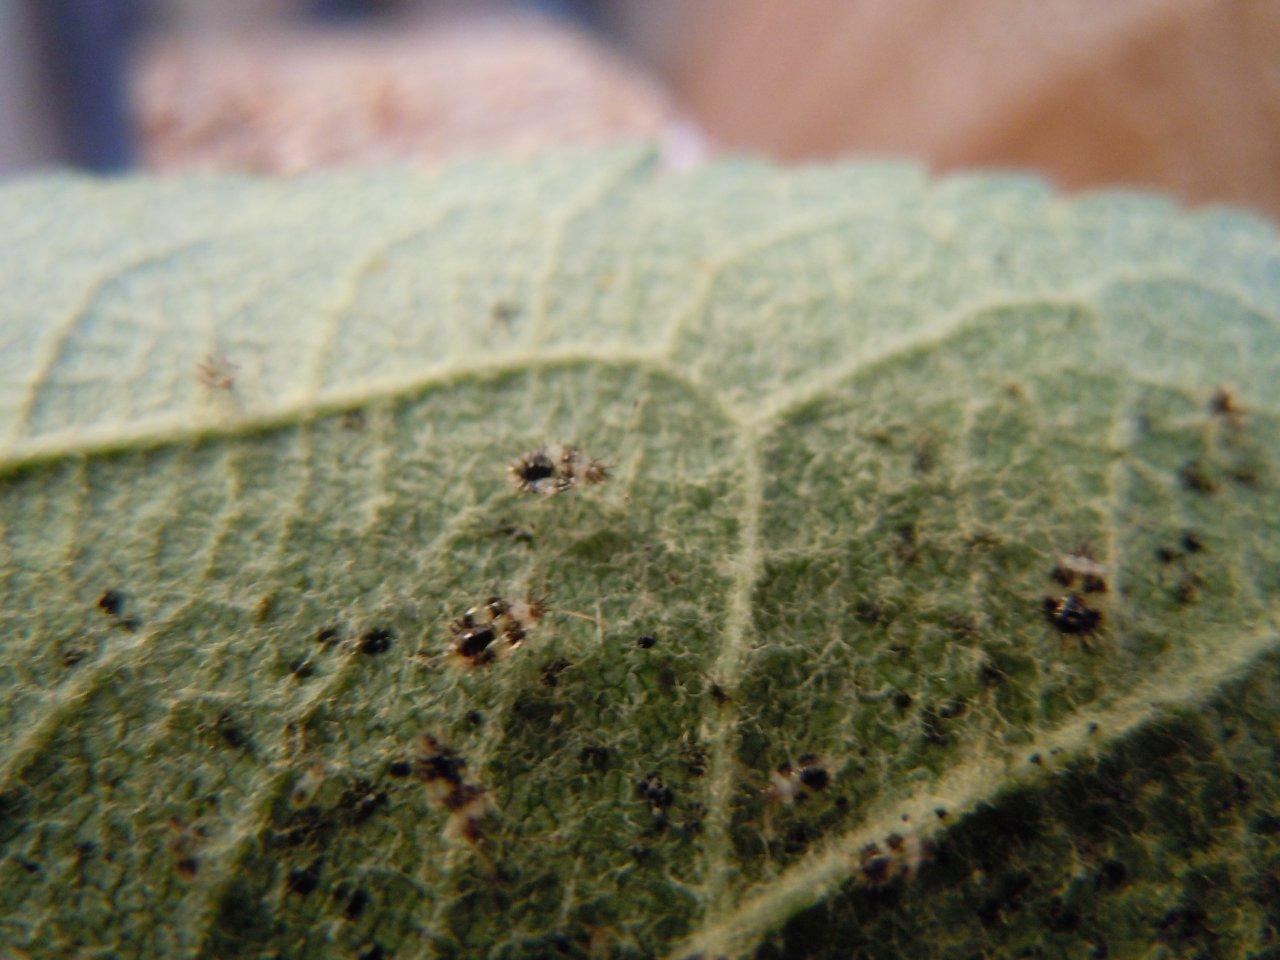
(283,102)
(1180,95)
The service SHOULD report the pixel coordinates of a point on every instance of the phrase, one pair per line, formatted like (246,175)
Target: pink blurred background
(1181,96)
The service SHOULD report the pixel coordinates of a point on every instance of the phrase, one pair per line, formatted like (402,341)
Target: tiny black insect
(814,777)
(1071,615)
(645,642)
(355,905)
(303,880)
(1191,541)
(595,757)
(494,629)
(377,640)
(111,602)
(555,469)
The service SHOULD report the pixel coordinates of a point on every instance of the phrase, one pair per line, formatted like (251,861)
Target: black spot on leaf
(375,641)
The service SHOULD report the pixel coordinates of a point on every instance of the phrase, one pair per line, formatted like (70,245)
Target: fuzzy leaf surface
(854,418)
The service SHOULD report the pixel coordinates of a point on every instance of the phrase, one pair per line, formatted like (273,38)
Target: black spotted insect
(494,629)
(554,469)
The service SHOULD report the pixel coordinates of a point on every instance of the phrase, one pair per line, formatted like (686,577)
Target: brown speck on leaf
(906,545)
(1091,583)
(1080,566)
(1224,404)
(226,730)
(263,609)
(328,636)
(216,372)
(877,868)
(443,773)
(1190,541)
(1194,475)
(504,313)
(924,456)
(1187,589)
(519,534)
(1246,473)
(74,652)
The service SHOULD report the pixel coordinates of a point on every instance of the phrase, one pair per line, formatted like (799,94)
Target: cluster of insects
(791,782)
(494,629)
(1070,614)
(443,773)
(555,469)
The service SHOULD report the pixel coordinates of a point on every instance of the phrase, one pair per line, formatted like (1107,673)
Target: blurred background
(1177,95)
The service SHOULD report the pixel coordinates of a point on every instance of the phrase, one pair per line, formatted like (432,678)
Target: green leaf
(854,418)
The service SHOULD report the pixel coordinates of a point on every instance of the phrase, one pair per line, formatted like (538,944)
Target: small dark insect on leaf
(595,757)
(361,801)
(551,672)
(814,777)
(657,793)
(111,602)
(355,905)
(1071,615)
(230,732)
(719,695)
(375,641)
(645,642)
(555,469)
(494,629)
(327,636)
(1191,542)
(877,867)
(1062,575)
(1224,404)
(304,880)
(1092,583)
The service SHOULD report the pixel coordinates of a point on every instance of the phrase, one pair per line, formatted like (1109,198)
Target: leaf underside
(853,417)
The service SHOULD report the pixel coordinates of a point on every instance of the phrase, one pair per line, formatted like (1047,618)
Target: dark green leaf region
(579,558)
